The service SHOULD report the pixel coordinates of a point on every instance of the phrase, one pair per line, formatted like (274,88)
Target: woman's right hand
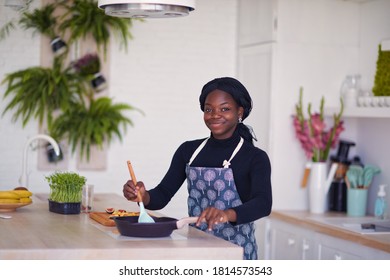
(130,191)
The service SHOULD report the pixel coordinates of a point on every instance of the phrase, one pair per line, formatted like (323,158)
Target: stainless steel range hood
(147,8)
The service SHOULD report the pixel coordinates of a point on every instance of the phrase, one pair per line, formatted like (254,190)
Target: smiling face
(221,114)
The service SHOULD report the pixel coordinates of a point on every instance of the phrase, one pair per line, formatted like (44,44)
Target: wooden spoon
(143,215)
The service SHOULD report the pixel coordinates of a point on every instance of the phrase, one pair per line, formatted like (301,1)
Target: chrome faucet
(23,180)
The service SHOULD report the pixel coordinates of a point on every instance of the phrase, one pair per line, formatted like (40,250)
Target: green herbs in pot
(66,186)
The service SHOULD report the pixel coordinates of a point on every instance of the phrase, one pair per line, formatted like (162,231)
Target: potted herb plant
(65,192)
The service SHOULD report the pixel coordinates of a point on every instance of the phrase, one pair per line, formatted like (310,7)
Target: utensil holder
(357,202)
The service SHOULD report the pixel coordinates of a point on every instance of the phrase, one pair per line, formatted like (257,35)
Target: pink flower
(315,140)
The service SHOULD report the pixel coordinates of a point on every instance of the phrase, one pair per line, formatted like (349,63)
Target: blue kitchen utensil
(143,215)
(355,175)
(368,174)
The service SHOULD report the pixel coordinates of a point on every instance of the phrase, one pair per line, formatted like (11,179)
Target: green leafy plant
(6,29)
(83,18)
(94,125)
(382,75)
(41,20)
(65,186)
(36,92)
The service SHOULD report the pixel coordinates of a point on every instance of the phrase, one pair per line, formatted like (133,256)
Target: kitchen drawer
(330,253)
(331,248)
(290,242)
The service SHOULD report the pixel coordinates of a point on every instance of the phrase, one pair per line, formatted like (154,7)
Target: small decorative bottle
(381,204)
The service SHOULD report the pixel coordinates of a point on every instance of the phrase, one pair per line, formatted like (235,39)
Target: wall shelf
(360,112)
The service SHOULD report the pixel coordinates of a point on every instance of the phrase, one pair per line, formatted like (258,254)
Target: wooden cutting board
(102,218)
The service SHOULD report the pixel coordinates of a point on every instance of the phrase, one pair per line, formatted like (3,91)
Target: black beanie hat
(231,86)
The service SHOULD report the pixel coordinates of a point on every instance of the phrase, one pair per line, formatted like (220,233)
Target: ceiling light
(147,8)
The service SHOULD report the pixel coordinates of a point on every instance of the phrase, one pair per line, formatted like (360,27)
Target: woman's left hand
(214,216)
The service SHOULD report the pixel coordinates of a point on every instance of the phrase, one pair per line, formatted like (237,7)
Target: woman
(229,183)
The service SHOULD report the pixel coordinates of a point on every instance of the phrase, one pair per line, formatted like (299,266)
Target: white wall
(18,51)
(317,46)
(162,73)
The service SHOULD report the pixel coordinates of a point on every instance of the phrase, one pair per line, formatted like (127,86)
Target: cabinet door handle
(337,257)
(305,247)
(290,241)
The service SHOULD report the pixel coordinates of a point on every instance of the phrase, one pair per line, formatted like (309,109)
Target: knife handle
(305,177)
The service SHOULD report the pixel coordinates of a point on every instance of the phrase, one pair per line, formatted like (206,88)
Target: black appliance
(338,189)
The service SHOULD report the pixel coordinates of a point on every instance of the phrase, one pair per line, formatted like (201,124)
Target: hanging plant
(83,18)
(44,22)
(84,126)
(40,20)
(36,92)
(87,65)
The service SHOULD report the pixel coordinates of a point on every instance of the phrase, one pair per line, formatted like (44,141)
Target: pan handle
(185,221)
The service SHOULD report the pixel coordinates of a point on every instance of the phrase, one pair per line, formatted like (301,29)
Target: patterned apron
(215,187)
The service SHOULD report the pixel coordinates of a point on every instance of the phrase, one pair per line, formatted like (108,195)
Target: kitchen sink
(362,225)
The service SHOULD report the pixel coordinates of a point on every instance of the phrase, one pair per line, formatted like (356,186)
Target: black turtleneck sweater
(251,169)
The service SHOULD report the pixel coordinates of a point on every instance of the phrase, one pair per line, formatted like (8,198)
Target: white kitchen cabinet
(332,251)
(256,34)
(289,242)
(301,241)
(255,64)
(257,22)
(331,248)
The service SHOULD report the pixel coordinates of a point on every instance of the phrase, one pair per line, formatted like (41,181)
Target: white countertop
(35,233)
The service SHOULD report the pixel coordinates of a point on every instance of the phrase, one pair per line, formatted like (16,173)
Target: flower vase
(319,184)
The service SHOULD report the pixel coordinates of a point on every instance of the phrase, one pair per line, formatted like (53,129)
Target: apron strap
(226,163)
(197,151)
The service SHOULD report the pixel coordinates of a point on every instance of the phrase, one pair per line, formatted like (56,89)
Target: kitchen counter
(338,225)
(35,233)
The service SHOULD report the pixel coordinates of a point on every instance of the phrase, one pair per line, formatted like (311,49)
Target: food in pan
(120,213)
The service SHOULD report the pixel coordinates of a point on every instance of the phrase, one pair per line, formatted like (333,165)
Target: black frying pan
(163,226)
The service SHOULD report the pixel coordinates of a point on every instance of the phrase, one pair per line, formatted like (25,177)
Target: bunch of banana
(15,196)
